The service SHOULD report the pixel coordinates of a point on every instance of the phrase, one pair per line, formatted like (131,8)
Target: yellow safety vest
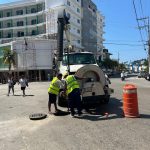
(53,88)
(71,83)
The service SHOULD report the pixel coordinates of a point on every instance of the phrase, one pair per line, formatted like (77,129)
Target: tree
(122,66)
(110,64)
(146,64)
(8,57)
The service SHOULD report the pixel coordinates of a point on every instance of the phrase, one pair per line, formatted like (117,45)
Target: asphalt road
(92,131)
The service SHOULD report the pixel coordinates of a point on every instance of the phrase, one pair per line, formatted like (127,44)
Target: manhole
(37,116)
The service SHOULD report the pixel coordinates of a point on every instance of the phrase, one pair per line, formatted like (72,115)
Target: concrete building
(37,18)
(100,32)
(89,26)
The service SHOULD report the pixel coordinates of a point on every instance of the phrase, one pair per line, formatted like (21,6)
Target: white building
(34,57)
(38,17)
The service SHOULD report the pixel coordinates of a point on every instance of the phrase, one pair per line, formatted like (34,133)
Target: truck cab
(76,60)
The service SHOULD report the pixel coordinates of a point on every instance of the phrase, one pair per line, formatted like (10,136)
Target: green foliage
(122,66)
(146,64)
(8,57)
(110,64)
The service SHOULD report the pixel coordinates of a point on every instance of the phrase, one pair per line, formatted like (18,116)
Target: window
(79,58)
(40,7)
(20,23)
(1,15)
(20,34)
(78,41)
(19,12)
(8,24)
(78,21)
(8,14)
(33,10)
(78,31)
(78,0)
(0,25)
(9,35)
(33,32)
(68,3)
(0,34)
(33,21)
(78,10)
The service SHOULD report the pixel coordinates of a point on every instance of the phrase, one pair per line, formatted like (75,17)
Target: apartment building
(100,31)
(27,18)
(89,26)
(23,18)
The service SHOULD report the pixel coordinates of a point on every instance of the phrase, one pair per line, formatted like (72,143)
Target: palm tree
(8,57)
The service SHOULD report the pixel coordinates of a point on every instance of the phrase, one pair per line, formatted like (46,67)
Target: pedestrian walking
(11,84)
(73,92)
(23,83)
(53,91)
(122,76)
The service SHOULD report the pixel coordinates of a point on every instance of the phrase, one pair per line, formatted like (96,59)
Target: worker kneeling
(73,91)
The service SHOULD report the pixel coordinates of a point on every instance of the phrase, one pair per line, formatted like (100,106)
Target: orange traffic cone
(130,101)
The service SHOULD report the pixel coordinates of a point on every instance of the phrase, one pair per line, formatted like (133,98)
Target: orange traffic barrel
(130,101)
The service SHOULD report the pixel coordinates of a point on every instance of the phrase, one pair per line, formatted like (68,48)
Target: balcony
(22,16)
(20,26)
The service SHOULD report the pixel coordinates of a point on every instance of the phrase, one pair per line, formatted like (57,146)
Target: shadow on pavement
(112,110)
(22,95)
(144,116)
(61,113)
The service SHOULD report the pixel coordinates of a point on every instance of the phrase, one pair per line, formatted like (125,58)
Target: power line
(138,24)
(143,17)
(123,44)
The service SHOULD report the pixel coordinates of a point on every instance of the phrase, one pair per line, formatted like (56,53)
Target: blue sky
(122,36)
(121,27)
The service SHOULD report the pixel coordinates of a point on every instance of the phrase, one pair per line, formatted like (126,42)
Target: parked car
(141,75)
(147,76)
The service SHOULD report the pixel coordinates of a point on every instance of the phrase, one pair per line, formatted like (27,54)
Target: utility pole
(118,58)
(148,42)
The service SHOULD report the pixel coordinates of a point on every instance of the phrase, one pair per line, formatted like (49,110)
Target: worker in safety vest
(53,91)
(73,92)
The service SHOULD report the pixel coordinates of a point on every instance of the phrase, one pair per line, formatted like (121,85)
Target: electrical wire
(145,25)
(138,24)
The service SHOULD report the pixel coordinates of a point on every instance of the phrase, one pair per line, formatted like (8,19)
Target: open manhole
(37,116)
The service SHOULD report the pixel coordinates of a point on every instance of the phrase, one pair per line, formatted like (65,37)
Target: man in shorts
(53,91)
(23,82)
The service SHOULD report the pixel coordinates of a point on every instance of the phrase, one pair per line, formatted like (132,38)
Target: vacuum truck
(94,88)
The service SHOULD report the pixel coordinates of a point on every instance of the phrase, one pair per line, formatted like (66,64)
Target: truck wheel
(106,100)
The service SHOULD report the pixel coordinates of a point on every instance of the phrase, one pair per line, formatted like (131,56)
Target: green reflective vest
(71,83)
(53,88)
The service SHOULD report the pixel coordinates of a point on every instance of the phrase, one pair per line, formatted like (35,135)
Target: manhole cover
(37,116)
